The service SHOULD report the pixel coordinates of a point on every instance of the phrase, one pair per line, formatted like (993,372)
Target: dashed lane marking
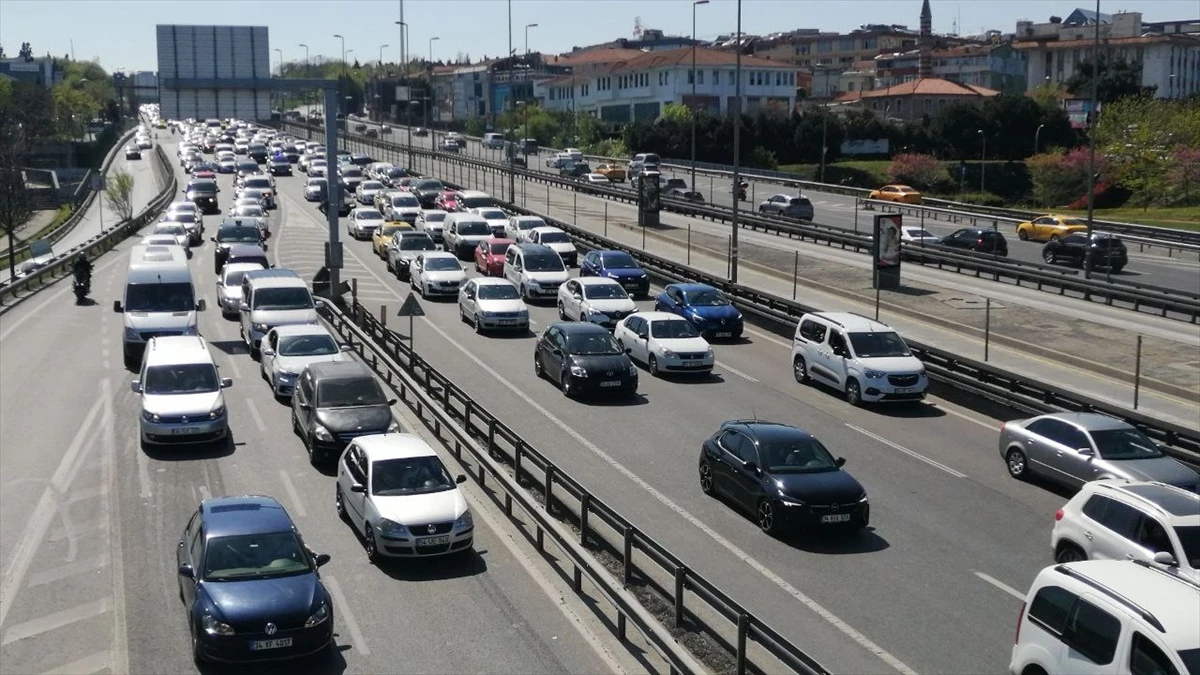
(56,620)
(735,371)
(1001,585)
(356,636)
(916,455)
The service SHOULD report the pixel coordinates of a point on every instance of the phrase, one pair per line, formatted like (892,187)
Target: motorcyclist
(82,268)
(740,189)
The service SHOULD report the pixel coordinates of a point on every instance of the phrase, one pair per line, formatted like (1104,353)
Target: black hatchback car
(203,193)
(250,585)
(233,231)
(1107,250)
(336,402)
(583,358)
(977,240)
(783,476)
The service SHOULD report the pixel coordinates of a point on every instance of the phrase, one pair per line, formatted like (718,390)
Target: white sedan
(436,273)
(367,190)
(399,497)
(519,226)
(598,300)
(287,350)
(363,223)
(488,302)
(496,219)
(229,286)
(182,236)
(557,240)
(595,179)
(665,343)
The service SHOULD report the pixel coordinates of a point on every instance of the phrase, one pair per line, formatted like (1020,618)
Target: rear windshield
(554,238)
(187,378)
(282,298)
(239,235)
(343,393)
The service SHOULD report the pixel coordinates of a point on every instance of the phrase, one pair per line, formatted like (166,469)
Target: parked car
(584,359)
(977,240)
(1050,227)
(787,206)
(902,194)
(1107,251)
(706,307)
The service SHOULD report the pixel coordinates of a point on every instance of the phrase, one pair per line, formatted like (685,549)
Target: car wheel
(565,384)
(706,479)
(853,393)
(1049,257)
(478,325)
(1068,552)
(462,315)
(765,515)
(538,369)
(1116,269)
(800,370)
(295,424)
(339,503)
(562,312)
(371,545)
(1054,237)
(1018,464)
(1023,235)
(652,366)
(197,656)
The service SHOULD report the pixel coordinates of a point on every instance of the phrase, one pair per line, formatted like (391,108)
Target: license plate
(836,518)
(433,541)
(507,322)
(693,364)
(904,390)
(611,383)
(181,431)
(723,334)
(277,643)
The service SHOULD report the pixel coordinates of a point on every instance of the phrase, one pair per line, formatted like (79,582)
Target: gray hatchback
(1073,448)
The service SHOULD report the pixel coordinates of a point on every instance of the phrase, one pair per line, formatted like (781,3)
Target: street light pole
(429,108)
(982,158)
(307,74)
(737,147)
(527,27)
(381,48)
(279,96)
(512,150)
(824,124)
(404,79)
(695,4)
(342,81)
(1092,119)
(1037,134)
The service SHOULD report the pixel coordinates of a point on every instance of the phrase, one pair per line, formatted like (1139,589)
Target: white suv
(1108,616)
(1118,520)
(863,358)
(180,387)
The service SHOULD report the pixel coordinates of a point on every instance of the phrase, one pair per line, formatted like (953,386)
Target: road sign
(98,182)
(411,307)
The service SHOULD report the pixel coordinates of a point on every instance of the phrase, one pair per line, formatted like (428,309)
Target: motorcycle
(740,191)
(82,287)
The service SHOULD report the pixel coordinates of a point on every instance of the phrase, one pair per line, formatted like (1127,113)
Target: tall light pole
(307,74)
(824,123)
(342,81)
(431,55)
(512,153)
(280,52)
(381,48)
(1092,119)
(279,96)
(429,105)
(404,78)
(737,147)
(527,27)
(695,4)
(1036,135)
(982,157)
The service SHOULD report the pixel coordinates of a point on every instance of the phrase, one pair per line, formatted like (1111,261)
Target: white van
(536,270)
(492,140)
(271,298)
(863,358)
(159,299)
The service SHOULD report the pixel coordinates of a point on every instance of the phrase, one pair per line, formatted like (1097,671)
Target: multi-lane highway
(89,520)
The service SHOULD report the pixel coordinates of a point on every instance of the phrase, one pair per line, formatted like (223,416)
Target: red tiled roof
(704,58)
(595,56)
(931,86)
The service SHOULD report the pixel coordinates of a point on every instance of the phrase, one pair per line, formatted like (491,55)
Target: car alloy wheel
(371,545)
(1023,235)
(706,478)
(853,393)
(1017,463)
(1069,553)
(567,389)
(478,324)
(1049,257)
(538,369)
(652,365)
(562,311)
(766,516)
(800,370)
(339,503)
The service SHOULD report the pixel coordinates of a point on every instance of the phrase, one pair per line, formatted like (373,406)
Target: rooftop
(381,447)
(930,86)
(231,516)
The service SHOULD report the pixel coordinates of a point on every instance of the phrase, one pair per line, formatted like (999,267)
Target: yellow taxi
(896,193)
(383,236)
(613,172)
(1050,227)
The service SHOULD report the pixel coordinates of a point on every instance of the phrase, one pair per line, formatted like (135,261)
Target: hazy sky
(120,33)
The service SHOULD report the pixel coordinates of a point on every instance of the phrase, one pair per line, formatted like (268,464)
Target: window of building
(700,76)
(716,77)
(690,77)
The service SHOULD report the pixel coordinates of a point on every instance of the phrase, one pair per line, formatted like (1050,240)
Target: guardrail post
(1137,372)
(547,199)
(680,577)
(743,625)
(383,319)
(549,492)
(353,290)
(585,504)
(795,273)
(987,327)
(606,219)
(517,453)
(627,559)
(689,244)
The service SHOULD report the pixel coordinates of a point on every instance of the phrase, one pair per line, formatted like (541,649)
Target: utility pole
(342,81)
(1093,117)
(512,155)
(737,148)
(695,4)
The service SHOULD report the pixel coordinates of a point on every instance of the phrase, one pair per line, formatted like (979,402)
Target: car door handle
(1087,535)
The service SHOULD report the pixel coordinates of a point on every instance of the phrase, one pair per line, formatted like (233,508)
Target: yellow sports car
(383,236)
(613,172)
(1050,227)
(896,193)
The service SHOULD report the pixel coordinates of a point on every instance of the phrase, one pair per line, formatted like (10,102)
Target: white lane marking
(343,610)
(970,418)
(916,455)
(774,578)
(735,371)
(204,493)
(39,522)
(61,572)
(93,663)
(118,660)
(258,420)
(56,620)
(232,360)
(143,465)
(1001,585)
(17,324)
(768,337)
(298,506)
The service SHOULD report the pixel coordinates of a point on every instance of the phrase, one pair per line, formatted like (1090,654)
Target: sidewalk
(39,220)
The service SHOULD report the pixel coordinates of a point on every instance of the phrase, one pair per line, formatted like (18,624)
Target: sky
(120,33)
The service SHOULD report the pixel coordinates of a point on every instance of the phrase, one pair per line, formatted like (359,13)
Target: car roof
(688,288)
(439,254)
(241,267)
(250,514)
(244,249)
(659,316)
(274,277)
(177,349)
(1180,506)
(764,429)
(426,212)
(301,329)
(855,323)
(1090,420)
(381,447)
(580,328)
(596,281)
(338,370)
(548,228)
(493,281)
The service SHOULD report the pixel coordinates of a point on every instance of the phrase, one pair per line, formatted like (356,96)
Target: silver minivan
(159,299)
(273,298)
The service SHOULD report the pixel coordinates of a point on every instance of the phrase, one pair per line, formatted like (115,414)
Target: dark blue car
(250,585)
(713,315)
(619,266)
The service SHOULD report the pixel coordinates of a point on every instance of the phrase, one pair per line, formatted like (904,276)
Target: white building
(637,88)
(461,92)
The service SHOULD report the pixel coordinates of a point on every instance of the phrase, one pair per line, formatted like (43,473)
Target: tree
(1187,175)
(1060,178)
(1117,79)
(2,54)
(958,130)
(15,205)
(674,112)
(72,110)
(923,171)
(1141,137)
(119,192)
(26,52)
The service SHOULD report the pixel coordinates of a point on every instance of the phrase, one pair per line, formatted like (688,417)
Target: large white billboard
(214,53)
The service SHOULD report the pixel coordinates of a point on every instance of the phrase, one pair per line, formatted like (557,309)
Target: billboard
(886,250)
(214,53)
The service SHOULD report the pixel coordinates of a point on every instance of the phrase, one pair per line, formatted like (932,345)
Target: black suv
(783,476)
(203,193)
(583,358)
(334,403)
(1107,250)
(235,231)
(977,240)
(575,170)
(427,190)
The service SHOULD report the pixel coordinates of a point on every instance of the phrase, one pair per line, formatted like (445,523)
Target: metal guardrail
(93,248)
(464,424)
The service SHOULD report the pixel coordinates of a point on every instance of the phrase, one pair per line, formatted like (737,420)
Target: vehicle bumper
(406,547)
(178,432)
(678,364)
(542,291)
(517,323)
(435,289)
(237,648)
(639,287)
(883,391)
(714,330)
(591,385)
(813,516)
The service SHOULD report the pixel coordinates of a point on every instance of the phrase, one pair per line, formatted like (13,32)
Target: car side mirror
(391,401)
(1087,452)
(185,570)
(322,559)
(840,461)
(226,382)
(577,296)
(242,306)
(135,386)
(347,348)
(200,305)
(1165,558)
(117,307)
(628,350)
(267,351)
(358,487)
(460,479)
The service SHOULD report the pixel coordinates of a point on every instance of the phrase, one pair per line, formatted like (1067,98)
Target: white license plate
(633,285)
(836,518)
(277,643)
(693,364)
(904,390)
(433,541)
(723,334)
(507,322)
(611,383)
(181,431)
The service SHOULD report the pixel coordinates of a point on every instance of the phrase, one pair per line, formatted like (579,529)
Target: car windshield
(406,200)
(349,392)
(475,202)
(241,234)
(499,249)
(417,244)
(442,264)
(316,182)
(492,214)
(249,211)
(169,229)
(260,183)
(498,292)
(282,298)
(307,345)
(396,172)
(434,217)
(619,261)
(543,262)
(677,329)
(707,297)
(255,556)
(795,455)
(352,172)
(611,291)
(185,378)
(473,227)
(430,185)
(412,475)
(389,230)
(554,238)
(592,344)
(181,217)
(530,223)
(234,278)
(917,233)
(371,185)
(878,345)
(1128,443)
(368,214)
(162,297)
(204,187)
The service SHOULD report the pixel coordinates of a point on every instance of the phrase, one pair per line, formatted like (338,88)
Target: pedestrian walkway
(35,224)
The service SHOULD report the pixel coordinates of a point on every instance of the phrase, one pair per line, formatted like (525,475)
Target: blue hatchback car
(713,315)
(250,585)
(619,266)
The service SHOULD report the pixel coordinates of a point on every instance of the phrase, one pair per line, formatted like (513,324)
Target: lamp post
(342,81)
(695,4)
(1092,118)
(982,157)
(527,27)
(512,150)
(824,123)
(404,78)
(737,147)
(1036,135)
(431,97)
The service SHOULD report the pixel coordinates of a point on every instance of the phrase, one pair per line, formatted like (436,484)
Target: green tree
(1141,137)
(26,52)
(73,108)
(1117,79)
(674,112)
(958,128)
(118,190)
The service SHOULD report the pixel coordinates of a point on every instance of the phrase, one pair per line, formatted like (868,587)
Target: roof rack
(1141,611)
(751,421)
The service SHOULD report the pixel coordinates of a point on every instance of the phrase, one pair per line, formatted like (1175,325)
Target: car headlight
(464,521)
(150,417)
(318,617)
(286,375)
(710,353)
(578,371)
(321,433)
(873,374)
(533,284)
(394,427)
(632,370)
(487,314)
(390,528)
(863,498)
(668,354)
(593,312)
(696,317)
(260,327)
(217,413)
(214,627)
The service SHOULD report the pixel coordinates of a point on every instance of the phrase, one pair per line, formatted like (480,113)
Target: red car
(446,202)
(489,256)
(405,183)
(203,174)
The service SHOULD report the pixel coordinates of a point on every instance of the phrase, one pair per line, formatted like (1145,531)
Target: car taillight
(1002,425)
(1020,618)
(980,242)
(1058,515)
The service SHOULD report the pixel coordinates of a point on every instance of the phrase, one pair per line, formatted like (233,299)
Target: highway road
(934,586)
(89,520)
(842,211)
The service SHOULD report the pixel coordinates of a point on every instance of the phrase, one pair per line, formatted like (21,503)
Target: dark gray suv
(336,402)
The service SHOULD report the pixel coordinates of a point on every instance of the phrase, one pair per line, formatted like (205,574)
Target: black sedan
(203,193)
(133,152)
(336,402)
(583,358)
(977,240)
(1107,250)
(250,586)
(280,166)
(783,476)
